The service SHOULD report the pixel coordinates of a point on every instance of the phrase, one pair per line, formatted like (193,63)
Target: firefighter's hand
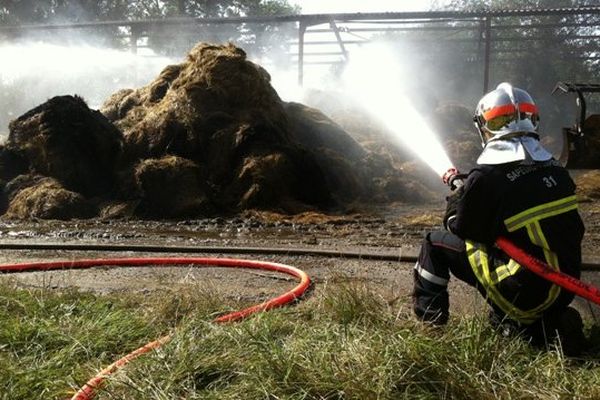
(452,205)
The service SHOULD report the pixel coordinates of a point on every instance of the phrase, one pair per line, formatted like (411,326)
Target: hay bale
(263,181)
(170,187)
(314,130)
(179,112)
(48,199)
(64,139)
(355,171)
(218,110)
(283,181)
(588,185)
(23,181)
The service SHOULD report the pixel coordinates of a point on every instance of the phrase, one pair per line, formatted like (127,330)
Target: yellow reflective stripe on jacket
(504,271)
(530,219)
(478,258)
(542,211)
(537,237)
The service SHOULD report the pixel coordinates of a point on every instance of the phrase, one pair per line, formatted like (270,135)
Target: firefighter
(517,190)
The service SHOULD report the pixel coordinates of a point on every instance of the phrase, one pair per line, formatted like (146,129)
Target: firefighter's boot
(569,328)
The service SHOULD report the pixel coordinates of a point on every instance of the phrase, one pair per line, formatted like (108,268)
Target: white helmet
(504,111)
(510,115)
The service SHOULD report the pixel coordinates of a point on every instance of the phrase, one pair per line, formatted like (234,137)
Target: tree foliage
(255,38)
(53,11)
(161,39)
(56,11)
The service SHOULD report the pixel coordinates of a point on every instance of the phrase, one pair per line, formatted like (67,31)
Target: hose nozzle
(453,178)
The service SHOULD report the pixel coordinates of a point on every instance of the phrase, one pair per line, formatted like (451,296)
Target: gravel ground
(396,230)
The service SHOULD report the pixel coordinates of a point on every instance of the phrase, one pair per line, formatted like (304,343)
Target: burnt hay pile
(208,136)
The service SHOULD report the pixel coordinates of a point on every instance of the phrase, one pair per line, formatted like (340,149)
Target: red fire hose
(89,390)
(542,269)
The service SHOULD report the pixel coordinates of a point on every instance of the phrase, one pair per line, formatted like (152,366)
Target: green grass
(344,342)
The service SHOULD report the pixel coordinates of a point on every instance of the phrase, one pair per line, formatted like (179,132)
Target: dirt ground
(395,230)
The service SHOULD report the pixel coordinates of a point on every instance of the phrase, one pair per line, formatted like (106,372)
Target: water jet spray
(378,86)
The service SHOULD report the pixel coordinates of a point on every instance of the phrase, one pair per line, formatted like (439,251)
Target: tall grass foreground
(343,342)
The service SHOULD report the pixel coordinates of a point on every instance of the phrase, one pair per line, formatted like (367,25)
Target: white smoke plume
(32,72)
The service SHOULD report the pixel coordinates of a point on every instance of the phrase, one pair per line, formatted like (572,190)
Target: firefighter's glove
(452,205)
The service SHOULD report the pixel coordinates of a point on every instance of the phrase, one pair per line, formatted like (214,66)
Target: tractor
(581,149)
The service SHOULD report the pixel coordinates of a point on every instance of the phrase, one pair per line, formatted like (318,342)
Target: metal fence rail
(487,30)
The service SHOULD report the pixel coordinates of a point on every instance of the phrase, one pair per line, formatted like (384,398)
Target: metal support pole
(301,32)
(336,31)
(488,46)
(481,39)
(133,39)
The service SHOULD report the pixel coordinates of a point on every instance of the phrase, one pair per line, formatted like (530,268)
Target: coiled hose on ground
(89,390)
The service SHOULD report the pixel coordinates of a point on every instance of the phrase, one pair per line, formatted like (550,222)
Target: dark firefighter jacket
(534,206)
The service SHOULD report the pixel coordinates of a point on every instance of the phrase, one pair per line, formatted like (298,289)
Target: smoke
(32,72)
(285,83)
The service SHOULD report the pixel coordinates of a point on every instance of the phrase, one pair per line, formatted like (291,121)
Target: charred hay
(64,139)
(170,187)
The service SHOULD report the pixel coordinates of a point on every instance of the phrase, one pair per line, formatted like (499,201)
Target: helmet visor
(502,121)
(509,117)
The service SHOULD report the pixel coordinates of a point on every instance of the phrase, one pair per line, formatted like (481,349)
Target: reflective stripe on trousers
(423,273)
